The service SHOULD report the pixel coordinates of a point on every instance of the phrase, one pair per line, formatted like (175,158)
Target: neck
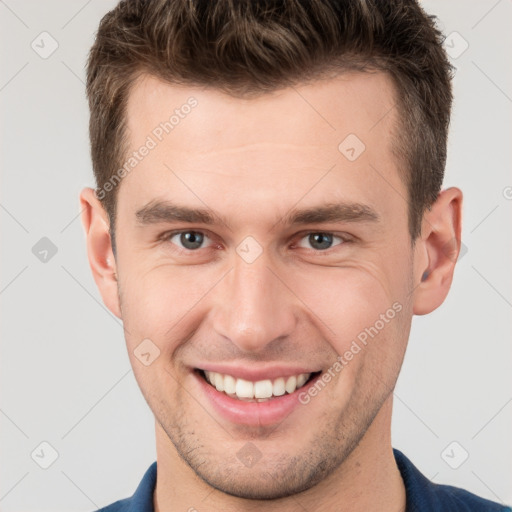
(368,479)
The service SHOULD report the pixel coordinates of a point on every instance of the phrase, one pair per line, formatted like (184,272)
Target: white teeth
(291,384)
(301,379)
(219,382)
(229,384)
(278,387)
(244,388)
(263,389)
(260,391)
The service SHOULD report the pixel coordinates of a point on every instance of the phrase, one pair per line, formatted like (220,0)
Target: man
(268,218)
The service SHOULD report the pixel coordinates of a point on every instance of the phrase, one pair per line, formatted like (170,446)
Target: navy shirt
(422,495)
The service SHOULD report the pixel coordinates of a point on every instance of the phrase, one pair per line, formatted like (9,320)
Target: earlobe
(99,249)
(437,251)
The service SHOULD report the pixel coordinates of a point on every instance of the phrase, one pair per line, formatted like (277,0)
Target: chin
(261,484)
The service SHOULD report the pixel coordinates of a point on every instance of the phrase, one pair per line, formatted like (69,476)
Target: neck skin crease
(368,480)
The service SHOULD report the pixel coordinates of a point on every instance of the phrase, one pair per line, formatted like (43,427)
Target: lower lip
(266,413)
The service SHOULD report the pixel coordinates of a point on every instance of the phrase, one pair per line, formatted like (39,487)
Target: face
(257,241)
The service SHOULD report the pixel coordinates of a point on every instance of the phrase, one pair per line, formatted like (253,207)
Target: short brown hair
(249,47)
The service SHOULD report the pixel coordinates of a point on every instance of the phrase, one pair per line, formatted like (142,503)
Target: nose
(254,308)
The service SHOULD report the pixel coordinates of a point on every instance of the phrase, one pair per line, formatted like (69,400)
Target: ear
(99,249)
(436,251)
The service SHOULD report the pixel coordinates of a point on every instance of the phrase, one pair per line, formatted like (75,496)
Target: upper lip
(269,371)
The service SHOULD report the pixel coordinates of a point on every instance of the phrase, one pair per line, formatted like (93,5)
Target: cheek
(160,303)
(346,300)
(362,314)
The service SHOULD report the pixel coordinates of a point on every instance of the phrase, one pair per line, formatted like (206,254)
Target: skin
(252,161)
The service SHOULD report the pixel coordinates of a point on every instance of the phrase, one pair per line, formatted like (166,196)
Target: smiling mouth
(258,391)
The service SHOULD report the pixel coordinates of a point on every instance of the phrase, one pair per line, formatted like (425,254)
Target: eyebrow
(332,212)
(166,211)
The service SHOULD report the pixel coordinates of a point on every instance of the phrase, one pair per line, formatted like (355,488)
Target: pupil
(191,239)
(320,241)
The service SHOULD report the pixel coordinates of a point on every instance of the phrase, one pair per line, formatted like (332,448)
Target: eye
(320,241)
(189,240)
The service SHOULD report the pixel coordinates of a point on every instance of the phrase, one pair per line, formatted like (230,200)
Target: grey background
(65,375)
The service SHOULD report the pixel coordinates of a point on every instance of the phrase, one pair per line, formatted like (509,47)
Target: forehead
(352,102)
(336,132)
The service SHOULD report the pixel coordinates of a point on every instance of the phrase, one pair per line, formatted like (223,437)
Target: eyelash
(166,237)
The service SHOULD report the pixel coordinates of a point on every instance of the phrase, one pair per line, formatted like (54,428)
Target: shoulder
(422,494)
(462,500)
